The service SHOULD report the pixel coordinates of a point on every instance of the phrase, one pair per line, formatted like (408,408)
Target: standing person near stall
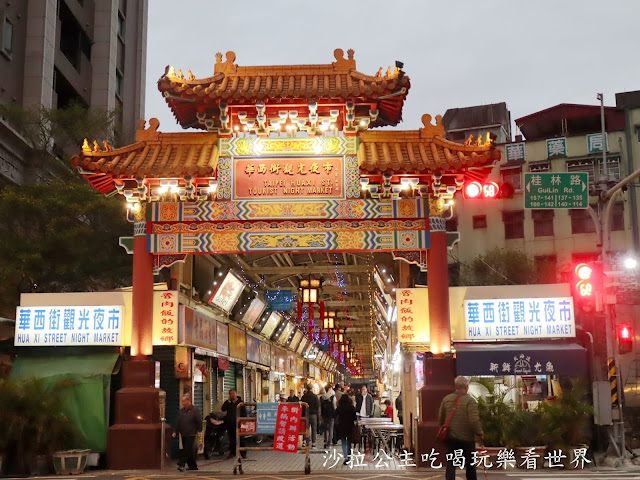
(230,420)
(399,407)
(346,419)
(311,399)
(293,398)
(364,403)
(188,425)
(459,412)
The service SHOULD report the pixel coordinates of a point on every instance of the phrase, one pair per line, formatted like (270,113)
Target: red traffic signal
(625,339)
(487,189)
(584,286)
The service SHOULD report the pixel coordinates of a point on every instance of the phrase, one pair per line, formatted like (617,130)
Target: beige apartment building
(54,52)
(564,138)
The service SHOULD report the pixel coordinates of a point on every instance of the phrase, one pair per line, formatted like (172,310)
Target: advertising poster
(200,330)
(253,349)
(254,311)
(227,295)
(272,323)
(222,332)
(265,354)
(237,343)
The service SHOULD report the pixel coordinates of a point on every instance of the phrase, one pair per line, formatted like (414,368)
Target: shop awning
(84,401)
(521,359)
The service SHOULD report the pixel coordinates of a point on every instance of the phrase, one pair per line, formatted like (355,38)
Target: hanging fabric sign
(287,428)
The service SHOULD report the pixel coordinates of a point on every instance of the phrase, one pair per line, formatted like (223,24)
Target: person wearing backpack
(328,405)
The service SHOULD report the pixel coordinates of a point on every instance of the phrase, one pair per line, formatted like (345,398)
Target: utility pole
(603,224)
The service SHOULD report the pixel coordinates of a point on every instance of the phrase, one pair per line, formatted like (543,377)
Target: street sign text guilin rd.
(556,190)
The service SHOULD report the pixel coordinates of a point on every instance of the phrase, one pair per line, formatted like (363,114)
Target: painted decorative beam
(356,209)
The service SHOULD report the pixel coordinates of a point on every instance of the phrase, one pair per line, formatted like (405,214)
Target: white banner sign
(519,318)
(69,325)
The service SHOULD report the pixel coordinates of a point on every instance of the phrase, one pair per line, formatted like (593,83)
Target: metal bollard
(162,447)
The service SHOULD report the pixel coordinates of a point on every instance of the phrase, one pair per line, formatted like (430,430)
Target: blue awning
(521,359)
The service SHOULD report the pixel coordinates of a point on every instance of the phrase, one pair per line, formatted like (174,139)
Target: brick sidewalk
(277,462)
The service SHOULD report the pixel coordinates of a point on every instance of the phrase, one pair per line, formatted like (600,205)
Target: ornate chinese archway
(286,162)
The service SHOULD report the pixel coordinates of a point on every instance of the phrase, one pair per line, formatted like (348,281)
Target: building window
(121,25)
(542,223)
(546,266)
(452,224)
(613,166)
(7,36)
(581,221)
(512,176)
(119,84)
(513,224)
(585,165)
(480,221)
(588,165)
(540,167)
(617,217)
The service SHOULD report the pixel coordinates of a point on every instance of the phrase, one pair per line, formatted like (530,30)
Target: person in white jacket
(328,405)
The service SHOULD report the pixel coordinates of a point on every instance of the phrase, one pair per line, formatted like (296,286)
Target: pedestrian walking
(230,420)
(311,399)
(328,405)
(345,420)
(188,425)
(460,411)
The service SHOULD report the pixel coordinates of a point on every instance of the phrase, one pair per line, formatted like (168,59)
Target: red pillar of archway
(133,441)
(439,369)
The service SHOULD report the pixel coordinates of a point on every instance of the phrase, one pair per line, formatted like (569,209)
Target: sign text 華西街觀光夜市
(556,190)
(267,414)
(519,318)
(284,178)
(69,325)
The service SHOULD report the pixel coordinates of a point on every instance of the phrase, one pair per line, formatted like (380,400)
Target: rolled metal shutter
(229,382)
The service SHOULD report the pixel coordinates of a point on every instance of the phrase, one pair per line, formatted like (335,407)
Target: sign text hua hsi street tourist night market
(556,190)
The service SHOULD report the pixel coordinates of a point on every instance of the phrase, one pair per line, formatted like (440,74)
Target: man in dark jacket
(314,407)
(293,398)
(230,420)
(464,427)
(364,403)
(188,424)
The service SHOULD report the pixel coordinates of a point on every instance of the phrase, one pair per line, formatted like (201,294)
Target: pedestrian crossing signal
(625,339)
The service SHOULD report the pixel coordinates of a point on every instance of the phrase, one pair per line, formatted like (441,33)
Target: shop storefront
(80,337)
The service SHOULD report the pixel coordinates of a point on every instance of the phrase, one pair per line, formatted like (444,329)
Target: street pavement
(590,474)
(328,465)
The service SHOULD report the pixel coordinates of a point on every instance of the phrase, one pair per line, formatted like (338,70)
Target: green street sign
(556,190)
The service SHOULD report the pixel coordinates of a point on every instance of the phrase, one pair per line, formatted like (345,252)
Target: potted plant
(493,410)
(34,424)
(566,423)
(522,433)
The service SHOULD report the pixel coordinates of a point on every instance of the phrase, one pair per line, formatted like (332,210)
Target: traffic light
(625,339)
(587,286)
(473,190)
(584,287)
